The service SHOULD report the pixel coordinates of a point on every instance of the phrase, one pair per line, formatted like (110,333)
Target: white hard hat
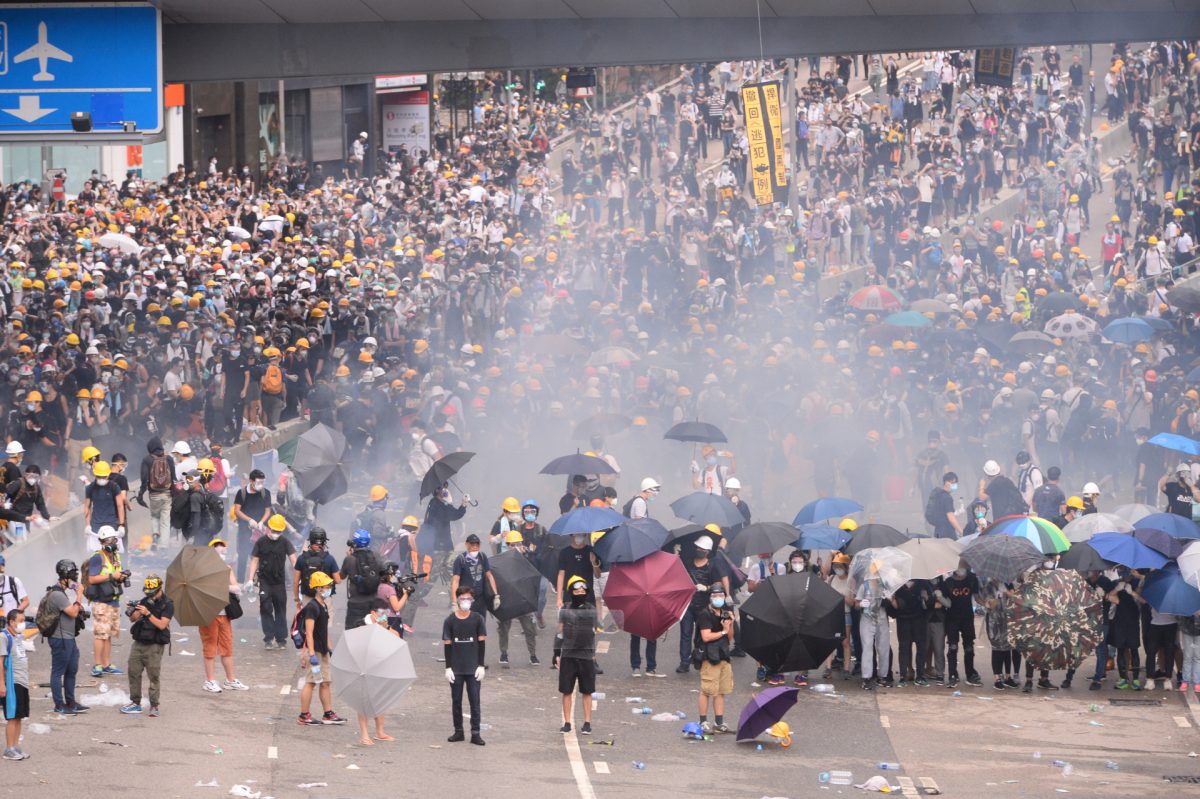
(1090,488)
(650,484)
(1183,467)
(1049,394)
(991,468)
(181,448)
(733,482)
(106,531)
(14,448)
(370,341)
(705,543)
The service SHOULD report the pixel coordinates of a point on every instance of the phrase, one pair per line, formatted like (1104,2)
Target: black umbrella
(703,508)
(996,333)
(317,464)
(517,581)
(698,432)
(546,556)
(1029,342)
(1059,302)
(631,541)
(684,537)
(793,622)
(762,537)
(602,424)
(727,568)
(442,471)
(1185,298)
(874,535)
(578,464)
(1082,558)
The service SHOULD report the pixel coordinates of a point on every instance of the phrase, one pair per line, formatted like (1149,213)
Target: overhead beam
(269,51)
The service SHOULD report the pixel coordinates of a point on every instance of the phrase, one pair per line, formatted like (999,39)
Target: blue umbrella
(1167,592)
(702,508)
(907,319)
(825,508)
(1169,523)
(1126,550)
(821,536)
(1129,330)
(631,541)
(587,520)
(1177,443)
(1161,542)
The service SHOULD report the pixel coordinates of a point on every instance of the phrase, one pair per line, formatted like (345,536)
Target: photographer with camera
(151,616)
(394,590)
(105,579)
(60,617)
(712,643)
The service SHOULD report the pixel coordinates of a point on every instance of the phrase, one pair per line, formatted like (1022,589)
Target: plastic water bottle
(598,695)
(1058,763)
(823,777)
(642,711)
(823,688)
(680,715)
(840,777)
(1111,765)
(314,664)
(639,765)
(889,766)
(632,700)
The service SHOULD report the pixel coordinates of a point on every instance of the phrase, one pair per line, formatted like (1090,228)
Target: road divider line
(885,722)
(272,753)
(600,766)
(582,782)
(285,690)
(1181,721)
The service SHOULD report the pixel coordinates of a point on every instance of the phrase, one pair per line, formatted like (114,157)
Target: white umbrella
(932,557)
(237,233)
(1189,564)
(1072,325)
(608,356)
(124,243)
(890,565)
(1082,528)
(371,669)
(1134,512)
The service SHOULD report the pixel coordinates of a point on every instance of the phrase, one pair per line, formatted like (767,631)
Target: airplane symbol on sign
(43,51)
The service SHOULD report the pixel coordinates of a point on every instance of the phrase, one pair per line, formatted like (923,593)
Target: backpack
(368,572)
(212,512)
(297,634)
(48,616)
(219,479)
(309,562)
(160,474)
(931,508)
(181,512)
(627,508)
(272,379)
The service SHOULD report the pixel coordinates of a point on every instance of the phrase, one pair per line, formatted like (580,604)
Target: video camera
(133,605)
(408,582)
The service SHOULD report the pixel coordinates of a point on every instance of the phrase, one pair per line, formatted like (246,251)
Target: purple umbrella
(764,709)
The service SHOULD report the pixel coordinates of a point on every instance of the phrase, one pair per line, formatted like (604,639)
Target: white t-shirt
(13,591)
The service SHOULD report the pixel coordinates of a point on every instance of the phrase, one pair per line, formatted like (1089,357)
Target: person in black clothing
(471,568)
(1126,629)
(939,510)
(361,588)
(1179,492)
(150,619)
(434,536)
(160,495)
(714,636)
(956,592)
(271,556)
(575,497)
(314,655)
(909,607)
(26,496)
(1107,589)
(574,652)
(703,574)
(464,637)
(251,508)
(236,370)
(1001,492)
(10,470)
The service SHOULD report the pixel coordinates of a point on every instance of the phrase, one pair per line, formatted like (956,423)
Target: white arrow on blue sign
(62,58)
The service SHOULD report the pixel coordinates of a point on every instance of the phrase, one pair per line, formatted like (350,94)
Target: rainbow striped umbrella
(1042,534)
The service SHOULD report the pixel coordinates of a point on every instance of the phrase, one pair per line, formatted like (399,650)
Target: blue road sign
(58,59)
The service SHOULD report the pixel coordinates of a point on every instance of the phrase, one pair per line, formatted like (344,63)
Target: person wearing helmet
(712,476)
(574,653)
(88,457)
(1177,488)
(534,535)
(639,506)
(757,574)
(839,580)
(273,386)
(104,577)
(66,597)
(314,558)
(472,568)
(251,508)
(185,461)
(26,497)
(1072,510)
(103,504)
(270,558)
(733,488)
(712,643)
(508,520)
(150,628)
(313,625)
(1001,492)
(362,571)
(10,471)
(433,541)
(373,517)
(703,574)
(515,542)
(216,637)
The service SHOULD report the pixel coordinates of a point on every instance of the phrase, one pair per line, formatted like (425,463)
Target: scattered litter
(187,654)
(313,785)
(103,688)
(1193,754)
(1037,755)
(217,750)
(599,695)
(435,746)
(1015,726)
(1061,790)
(639,765)
(183,639)
(610,742)
(44,729)
(633,699)
(338,757)
(956,693)
(242,640)
(1010,782)
(877,784)
(664,717)
(116,697)
(352,767)
(823,688)
(1111,765)
(985,698)
(110,743)
(210,784)
(244,792)
(1094,708)
(1095,724)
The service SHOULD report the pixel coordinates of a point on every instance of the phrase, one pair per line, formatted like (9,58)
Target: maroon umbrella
(648,596)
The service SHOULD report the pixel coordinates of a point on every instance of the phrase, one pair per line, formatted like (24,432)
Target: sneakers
(270,645)
(131,708)
(682,668)
(1122,685)
(722,727)
(1094,685)
(566,727)
(1028,689)
(1011,682)
(800,681)
(1065,685)
(586,729)
(998,685)
(952,683)
(212,687)
(921,682)
(306,720)
(775,679)
(14,754)
(533,660)
(1047,685)
(868,685)
(653,673)
(65,710)
(235,685)
(504,659)
(706,727)
(1183,687)
(974,680)
(456,737)
(113,670)
(477,739)
(1136,685)
(78,708)
(637,672)
(332,718)
(97,671)
(939,679)
(154,712)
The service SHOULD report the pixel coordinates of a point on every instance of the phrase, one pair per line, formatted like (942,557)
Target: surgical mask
(577,540)
(954,486)
(101,481)
(326,592)
(220,552)
(711,460)
(257,485)
(274,536)
(234,353)
(513,517)
(531,517)
(21,626)
(381,617)
(32,479)
(1048,564)
(840,572)
(718,601)
(797,565)
(960,573)
(465,604)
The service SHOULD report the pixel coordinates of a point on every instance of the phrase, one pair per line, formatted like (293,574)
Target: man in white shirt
(12,590)
(639,508)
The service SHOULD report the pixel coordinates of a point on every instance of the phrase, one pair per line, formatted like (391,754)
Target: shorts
(576,670)
(716,678)
(21,711)
(216,637)
(106,621)
(316,679)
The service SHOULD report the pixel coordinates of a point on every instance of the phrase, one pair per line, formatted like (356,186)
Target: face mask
(840,572)
(381,617)
(110,547)
(577,540)
(257,485)
(101,481)
(274,536)
(326,592)
(465,604)
(221,552)
(954,486)
(1047,564)
(21,626)
(31,479)
(960,573)
(797,565)
(710,460)
(531,517)
(234,353)
(29,406)
(718,602)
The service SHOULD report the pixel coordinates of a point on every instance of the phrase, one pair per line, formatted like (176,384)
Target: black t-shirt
(959,592)
(707,619)
(235,373)
(472,572)
(464,636)
(272,559)
(704,575)
(1179,499)
(320,615)
(253,503)
(577,563)
(1103,585)
(942,503)
(1006,499)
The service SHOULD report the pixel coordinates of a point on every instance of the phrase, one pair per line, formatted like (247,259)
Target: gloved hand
(496,603)
(695,468)
(479,672)
(450,676)
(248,587)
(701,587)
(121,530)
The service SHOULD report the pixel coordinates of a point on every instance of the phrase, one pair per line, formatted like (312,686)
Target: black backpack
(368,572)
(212,512)
(931,513)
(307,563)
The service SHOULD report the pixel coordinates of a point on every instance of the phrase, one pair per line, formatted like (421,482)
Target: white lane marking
(1181,721)
(601,766)
(578,769)
(907,786)
(885,722)
(272,753)
(285,690)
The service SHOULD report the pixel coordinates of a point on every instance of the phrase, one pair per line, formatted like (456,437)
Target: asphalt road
(975,744)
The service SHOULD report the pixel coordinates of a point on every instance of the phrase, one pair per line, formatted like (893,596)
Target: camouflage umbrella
(1055,619)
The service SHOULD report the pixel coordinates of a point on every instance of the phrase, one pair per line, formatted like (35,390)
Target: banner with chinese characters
(994,66)
(764,132)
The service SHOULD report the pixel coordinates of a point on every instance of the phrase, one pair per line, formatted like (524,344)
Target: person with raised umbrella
(433,540)
(703,574)
(1100,584)
(1006,661)
(574,653)
(1126,621)
(873,629)
(713,642)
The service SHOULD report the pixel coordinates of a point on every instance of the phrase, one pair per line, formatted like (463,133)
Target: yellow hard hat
(206,466)
(576,579)
(378,493)
(848,524)
(511,505)
(783,732)
(713,528)
(277,523)
(513,537)
(342,371)
(89,452)
(1075,502)
(101,469)
(410,521)
(319,580)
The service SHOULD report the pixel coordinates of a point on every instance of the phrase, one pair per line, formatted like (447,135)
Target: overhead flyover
(248,39)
